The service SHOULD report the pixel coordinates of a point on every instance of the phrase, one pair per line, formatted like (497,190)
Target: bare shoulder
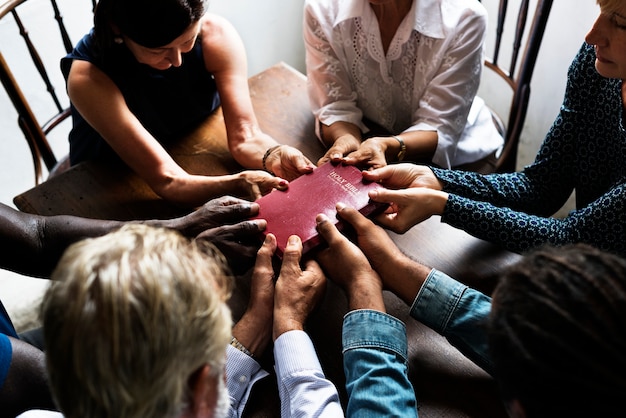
(220,41)
(216,29)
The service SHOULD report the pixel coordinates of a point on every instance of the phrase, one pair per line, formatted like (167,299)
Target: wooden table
(446,383)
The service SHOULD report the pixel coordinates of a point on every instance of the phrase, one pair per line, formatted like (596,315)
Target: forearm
(401,275)
(457,312)
(253,330)
(32,244)
(189,190)
(248,144)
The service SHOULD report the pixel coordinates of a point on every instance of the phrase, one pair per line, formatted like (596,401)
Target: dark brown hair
(557,332)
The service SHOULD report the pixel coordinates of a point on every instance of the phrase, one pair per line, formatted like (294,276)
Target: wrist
(401,147)
(284,323)
(437,201)
(253,332)
(366,294)
(266,156)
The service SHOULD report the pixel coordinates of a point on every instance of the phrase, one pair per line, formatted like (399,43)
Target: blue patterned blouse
(584,151)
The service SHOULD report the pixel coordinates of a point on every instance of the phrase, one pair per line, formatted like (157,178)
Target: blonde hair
(129,318)
(610,6)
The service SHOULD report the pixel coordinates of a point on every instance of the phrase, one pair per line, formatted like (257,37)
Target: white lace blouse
(427,80)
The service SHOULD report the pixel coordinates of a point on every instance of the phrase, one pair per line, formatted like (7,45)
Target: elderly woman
(583,152)
(409,68)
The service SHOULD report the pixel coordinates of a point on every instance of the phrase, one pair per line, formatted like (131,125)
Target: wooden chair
(518,78)
(35,132)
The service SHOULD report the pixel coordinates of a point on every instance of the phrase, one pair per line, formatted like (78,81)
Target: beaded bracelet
(235,343)
(402,152)
(267,154)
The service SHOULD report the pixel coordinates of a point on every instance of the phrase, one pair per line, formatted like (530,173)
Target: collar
(426,15)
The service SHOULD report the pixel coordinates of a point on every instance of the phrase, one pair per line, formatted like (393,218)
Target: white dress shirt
(302,386)
(427,80)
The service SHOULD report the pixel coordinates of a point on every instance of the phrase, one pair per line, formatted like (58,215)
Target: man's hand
(216,212)
(254,329)
(399,273)
(297,291)
(346,265)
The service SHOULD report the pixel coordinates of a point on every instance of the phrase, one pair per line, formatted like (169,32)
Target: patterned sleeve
(515,209)
(600,224)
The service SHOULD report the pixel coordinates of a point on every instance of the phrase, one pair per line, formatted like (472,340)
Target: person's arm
(333,102)
(249,145)
(32,244)
(375,353)
(447,306)
(445,103)
(302,386)
(252,333)
(102,105)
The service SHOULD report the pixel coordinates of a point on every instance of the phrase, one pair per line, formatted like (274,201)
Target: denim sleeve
(457,312)
(375,364)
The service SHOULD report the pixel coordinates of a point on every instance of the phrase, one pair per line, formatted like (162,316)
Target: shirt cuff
(436,300)
(242,372)
(294,352)
(367,328)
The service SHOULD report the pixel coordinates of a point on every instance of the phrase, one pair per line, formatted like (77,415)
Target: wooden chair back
(36,132)
(517,72)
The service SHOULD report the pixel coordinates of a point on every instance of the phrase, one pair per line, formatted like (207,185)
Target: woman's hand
(408,207)
(404,176)
(342,146)
(253,184)
(288,162)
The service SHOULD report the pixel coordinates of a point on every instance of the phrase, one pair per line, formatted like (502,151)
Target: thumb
(383,195)
(326,228)
(378,175)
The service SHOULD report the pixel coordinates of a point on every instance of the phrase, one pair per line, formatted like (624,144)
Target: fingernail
(283,183)
(293,239)
(340,206)
(321,218)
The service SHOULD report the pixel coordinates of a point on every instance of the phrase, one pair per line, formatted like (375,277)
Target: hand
(371,153)
(215,213)
(297,291)
(254,329)
(408,207)
(342,146)
(256,183)
(288,162)
(399,273)
(238,243)
(347,266)
(404,176)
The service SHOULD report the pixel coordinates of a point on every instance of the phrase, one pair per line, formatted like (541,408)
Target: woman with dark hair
(151,71)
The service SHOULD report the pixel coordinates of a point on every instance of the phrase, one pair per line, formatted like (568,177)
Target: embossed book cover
(293,211)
